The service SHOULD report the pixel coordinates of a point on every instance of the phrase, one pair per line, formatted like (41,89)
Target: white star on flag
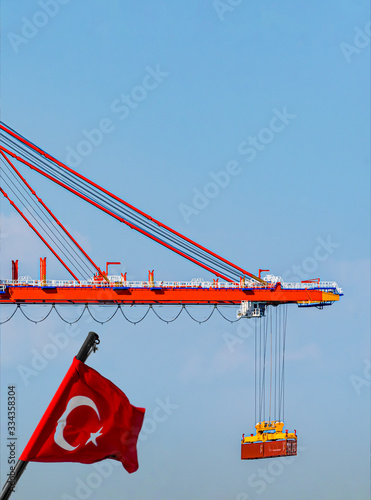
(93,437)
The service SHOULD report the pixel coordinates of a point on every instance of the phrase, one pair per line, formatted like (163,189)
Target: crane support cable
(101,199)
(54,177)
(234,270)
(67,233)
(25,201)
(121,219)
(73,183)
(44,222)
(37,232)
(118,210)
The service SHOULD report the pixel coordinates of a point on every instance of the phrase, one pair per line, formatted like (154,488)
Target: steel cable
(169,320)
(13,313)
(148,224)
(102,322)
(71,322)
(34,321)
(119,307)
(56,236)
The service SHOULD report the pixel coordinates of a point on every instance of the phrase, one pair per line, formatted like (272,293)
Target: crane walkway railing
(117,282)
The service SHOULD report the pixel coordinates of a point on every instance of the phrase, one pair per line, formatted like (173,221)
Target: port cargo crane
(230,284)
(238,286)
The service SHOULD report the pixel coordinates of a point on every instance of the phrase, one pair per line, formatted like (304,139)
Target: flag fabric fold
(88,420)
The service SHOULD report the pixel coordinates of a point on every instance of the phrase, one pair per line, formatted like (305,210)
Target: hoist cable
(275,361)
(255,364)
(279,371)
(271,366)
(270,341)
(283,360)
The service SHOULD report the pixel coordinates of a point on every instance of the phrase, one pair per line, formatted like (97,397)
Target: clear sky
(179,90)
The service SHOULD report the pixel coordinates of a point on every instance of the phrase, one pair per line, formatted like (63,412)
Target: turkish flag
(88,419)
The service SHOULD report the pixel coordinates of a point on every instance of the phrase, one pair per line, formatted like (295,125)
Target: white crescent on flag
(73,403)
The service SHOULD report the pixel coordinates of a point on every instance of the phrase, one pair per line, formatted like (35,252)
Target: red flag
(89,419)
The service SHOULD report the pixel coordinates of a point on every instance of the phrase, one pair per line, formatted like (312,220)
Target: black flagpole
(89,346)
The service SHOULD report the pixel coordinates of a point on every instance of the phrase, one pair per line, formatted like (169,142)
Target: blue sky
(279,91)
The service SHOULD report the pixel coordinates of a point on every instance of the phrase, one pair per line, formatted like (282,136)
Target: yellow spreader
(269,441)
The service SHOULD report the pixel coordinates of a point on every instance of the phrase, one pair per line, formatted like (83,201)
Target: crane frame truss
(48,292)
